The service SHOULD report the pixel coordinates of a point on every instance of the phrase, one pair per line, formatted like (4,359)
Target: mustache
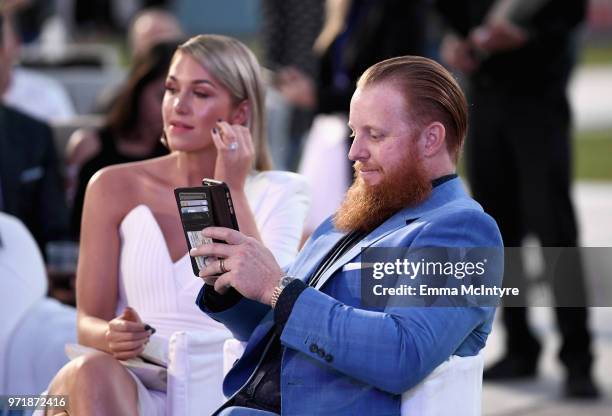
(358,165)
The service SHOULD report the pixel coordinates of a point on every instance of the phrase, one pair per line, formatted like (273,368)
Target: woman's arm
(97,272)
(281,201)
(235,155)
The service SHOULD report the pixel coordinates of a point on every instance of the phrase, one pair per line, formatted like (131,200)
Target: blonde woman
(133,251)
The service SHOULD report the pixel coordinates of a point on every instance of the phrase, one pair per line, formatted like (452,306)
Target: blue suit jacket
(369,357)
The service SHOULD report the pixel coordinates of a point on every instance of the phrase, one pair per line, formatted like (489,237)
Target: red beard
(366,207)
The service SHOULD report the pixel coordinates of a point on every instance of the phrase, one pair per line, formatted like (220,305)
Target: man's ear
(433,139)
(242,114)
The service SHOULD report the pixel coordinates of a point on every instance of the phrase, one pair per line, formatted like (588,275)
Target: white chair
(453,388)
(34,328)
(194,374)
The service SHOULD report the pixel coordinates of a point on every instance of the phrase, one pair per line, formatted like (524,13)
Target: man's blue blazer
(342,359)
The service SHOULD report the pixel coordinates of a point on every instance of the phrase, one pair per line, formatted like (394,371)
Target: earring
(164,140)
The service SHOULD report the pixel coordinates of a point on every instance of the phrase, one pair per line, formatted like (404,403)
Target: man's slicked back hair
(430,92)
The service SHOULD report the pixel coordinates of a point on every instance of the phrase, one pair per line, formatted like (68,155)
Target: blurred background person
(355,35)
(30,91)
(147,28)
(289,29)
(31,186)
(151,26)
(133,249)
(132,129)
(518,57)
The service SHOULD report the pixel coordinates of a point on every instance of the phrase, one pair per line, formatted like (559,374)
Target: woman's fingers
(122,341)
(124,346)
(126,355)
(120,336)
(244,136)
(121,325)
(235,133)
(226,132)
(217,140)
(130,314)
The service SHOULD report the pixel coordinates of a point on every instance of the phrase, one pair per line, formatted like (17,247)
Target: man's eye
(352,135)
(170,89)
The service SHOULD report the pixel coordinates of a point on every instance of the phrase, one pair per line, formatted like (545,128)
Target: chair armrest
(195,372)
(453,388)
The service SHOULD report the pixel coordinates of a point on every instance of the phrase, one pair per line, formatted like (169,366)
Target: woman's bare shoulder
(126,182)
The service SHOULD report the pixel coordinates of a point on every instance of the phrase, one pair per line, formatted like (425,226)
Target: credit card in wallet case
(204,206)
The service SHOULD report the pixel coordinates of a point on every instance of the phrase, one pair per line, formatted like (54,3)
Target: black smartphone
(209,205)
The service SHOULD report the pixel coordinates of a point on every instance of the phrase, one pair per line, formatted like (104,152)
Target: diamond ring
(233,146)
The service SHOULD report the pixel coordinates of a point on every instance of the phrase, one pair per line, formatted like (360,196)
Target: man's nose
(358,150)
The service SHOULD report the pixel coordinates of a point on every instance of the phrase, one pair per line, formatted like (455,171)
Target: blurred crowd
(77,96)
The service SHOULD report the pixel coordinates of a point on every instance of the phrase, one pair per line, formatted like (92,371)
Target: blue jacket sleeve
(241,318)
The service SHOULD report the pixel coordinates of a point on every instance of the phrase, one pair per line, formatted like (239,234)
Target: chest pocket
(345,285)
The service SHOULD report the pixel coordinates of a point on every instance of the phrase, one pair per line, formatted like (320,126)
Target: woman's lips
(177,126)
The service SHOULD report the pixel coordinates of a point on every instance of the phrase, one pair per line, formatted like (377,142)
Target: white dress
(163,293)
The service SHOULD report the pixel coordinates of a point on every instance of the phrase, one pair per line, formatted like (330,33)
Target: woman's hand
(235,154)
(126,335)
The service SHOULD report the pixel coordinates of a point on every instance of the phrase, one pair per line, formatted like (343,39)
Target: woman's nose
(181,104)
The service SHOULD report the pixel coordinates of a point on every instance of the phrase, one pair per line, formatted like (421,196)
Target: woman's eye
(201,94)
(170,89)
(352,135)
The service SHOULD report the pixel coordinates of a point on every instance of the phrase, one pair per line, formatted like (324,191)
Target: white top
(163,293)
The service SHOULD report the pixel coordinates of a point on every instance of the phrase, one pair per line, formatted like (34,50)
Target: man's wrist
(286,301)
(278,289)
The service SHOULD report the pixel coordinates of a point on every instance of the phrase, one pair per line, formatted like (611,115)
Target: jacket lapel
(387,227)
(440,196)
(315,250)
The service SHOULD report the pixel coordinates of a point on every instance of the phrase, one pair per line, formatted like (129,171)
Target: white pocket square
(32,174)
(356,266)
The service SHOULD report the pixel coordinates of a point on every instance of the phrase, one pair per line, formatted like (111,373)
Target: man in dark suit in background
(31,186)
(518,56)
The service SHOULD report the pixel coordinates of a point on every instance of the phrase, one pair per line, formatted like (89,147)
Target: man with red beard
(315,345)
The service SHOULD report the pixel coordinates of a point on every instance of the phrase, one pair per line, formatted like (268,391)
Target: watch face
(285,281)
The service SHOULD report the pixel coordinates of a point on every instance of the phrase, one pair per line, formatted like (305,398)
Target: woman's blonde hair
(237,68)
